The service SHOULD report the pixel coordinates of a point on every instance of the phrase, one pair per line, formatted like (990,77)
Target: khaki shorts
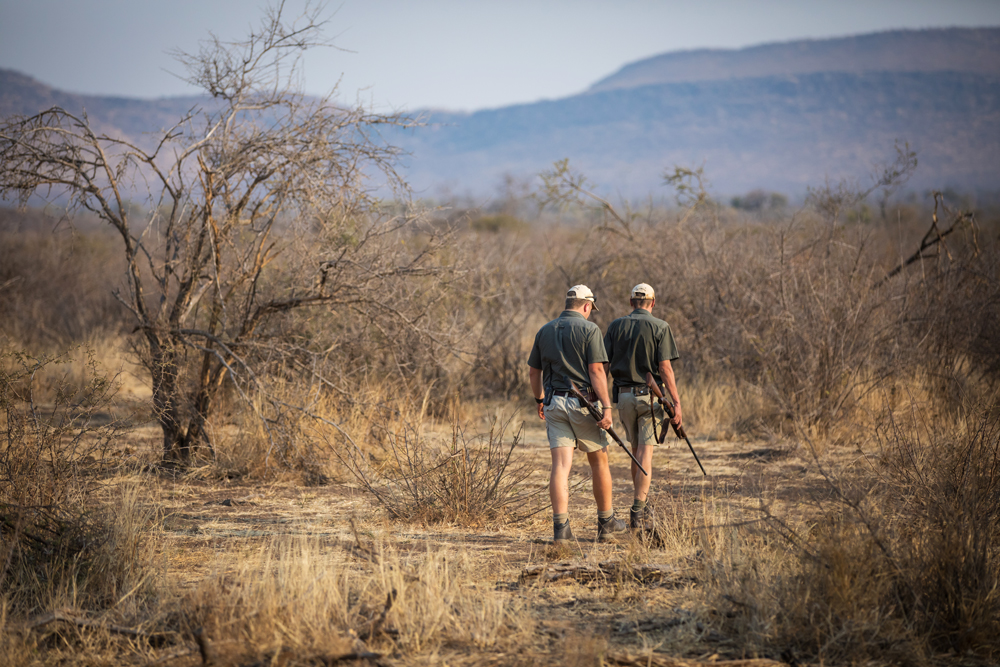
(634,412)
(569,425)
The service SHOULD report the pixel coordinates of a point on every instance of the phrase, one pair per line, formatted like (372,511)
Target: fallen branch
(587,572)
(155,639)
(282,657)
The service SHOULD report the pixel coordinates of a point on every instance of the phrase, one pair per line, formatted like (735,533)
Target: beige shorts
(569,425)
(634,413)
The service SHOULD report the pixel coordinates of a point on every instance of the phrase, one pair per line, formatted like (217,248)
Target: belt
(591,396)
(637,390)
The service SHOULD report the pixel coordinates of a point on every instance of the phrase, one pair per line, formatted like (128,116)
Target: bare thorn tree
(562,188)
(262,202)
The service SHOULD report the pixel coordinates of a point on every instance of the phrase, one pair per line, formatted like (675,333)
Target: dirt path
(208,524)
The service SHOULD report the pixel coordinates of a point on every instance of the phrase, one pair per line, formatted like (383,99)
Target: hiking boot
(606,528)
(562,532)
(640,520)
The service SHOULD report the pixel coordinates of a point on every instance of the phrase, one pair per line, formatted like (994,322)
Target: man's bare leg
(562,462)
(607,523)
(601,477)
(640,482)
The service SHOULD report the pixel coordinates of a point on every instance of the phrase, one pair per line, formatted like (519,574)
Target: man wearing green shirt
(638,344)
(570,346)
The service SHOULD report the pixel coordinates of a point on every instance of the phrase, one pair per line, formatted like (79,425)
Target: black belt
(635,390)
(591,396)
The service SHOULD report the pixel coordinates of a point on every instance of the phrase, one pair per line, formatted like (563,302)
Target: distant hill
(137,119)
(781,133)
(951,49)
(777,116)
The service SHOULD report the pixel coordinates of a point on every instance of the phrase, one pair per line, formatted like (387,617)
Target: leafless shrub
(902,564)
(941,536)
(57,543)
(473,480)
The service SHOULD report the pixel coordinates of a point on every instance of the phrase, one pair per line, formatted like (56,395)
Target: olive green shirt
(636,344)
(565,346)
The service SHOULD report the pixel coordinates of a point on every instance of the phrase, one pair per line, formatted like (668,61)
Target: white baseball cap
(582,292)
(643,291)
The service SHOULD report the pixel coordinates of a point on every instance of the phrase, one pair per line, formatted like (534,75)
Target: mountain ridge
(927,50)
(782,131)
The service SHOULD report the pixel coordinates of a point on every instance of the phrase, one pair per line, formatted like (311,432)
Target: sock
(561,518)
(638,505)
(607,514)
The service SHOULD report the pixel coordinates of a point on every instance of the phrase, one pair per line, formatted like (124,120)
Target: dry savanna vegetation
(260,408)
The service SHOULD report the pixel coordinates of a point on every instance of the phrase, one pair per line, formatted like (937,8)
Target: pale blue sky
(460,55)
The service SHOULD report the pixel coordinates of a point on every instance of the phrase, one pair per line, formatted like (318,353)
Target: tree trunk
(196,437)
(166,403)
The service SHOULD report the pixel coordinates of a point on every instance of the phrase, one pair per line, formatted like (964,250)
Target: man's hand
(605,422)
(667,373)
(535,378)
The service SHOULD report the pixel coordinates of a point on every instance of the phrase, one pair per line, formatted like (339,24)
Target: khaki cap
(582,292)
(643,291)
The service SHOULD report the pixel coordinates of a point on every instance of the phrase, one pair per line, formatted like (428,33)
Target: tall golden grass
(787,331)
(300,595)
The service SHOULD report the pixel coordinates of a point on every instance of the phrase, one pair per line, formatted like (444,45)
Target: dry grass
(735,587)
(305,597)
(900,563)
(850,516)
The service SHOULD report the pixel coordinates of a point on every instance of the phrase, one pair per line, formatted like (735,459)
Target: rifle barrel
(669,409)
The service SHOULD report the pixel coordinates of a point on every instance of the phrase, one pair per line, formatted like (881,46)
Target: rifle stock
(597,415)
(668,407)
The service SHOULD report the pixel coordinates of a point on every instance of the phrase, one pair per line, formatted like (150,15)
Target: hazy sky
(450,54)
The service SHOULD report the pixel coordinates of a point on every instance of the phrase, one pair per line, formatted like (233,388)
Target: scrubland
(847,416)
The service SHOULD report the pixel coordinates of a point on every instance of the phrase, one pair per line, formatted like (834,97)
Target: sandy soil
(208,523)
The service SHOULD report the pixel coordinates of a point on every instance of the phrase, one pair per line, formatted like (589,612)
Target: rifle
(597,415)
(668,407)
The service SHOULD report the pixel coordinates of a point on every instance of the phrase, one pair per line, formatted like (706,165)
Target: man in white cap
(570,346)
(638,344)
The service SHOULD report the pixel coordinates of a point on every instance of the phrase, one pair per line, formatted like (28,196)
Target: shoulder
(543,329)
(548,325)
(658,323)
(618,323)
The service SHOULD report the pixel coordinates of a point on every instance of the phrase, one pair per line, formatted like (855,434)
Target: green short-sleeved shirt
(636,344)
(565,346)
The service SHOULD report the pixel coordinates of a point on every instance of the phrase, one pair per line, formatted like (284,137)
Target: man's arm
(537,390)
(667,373)
(599,381)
